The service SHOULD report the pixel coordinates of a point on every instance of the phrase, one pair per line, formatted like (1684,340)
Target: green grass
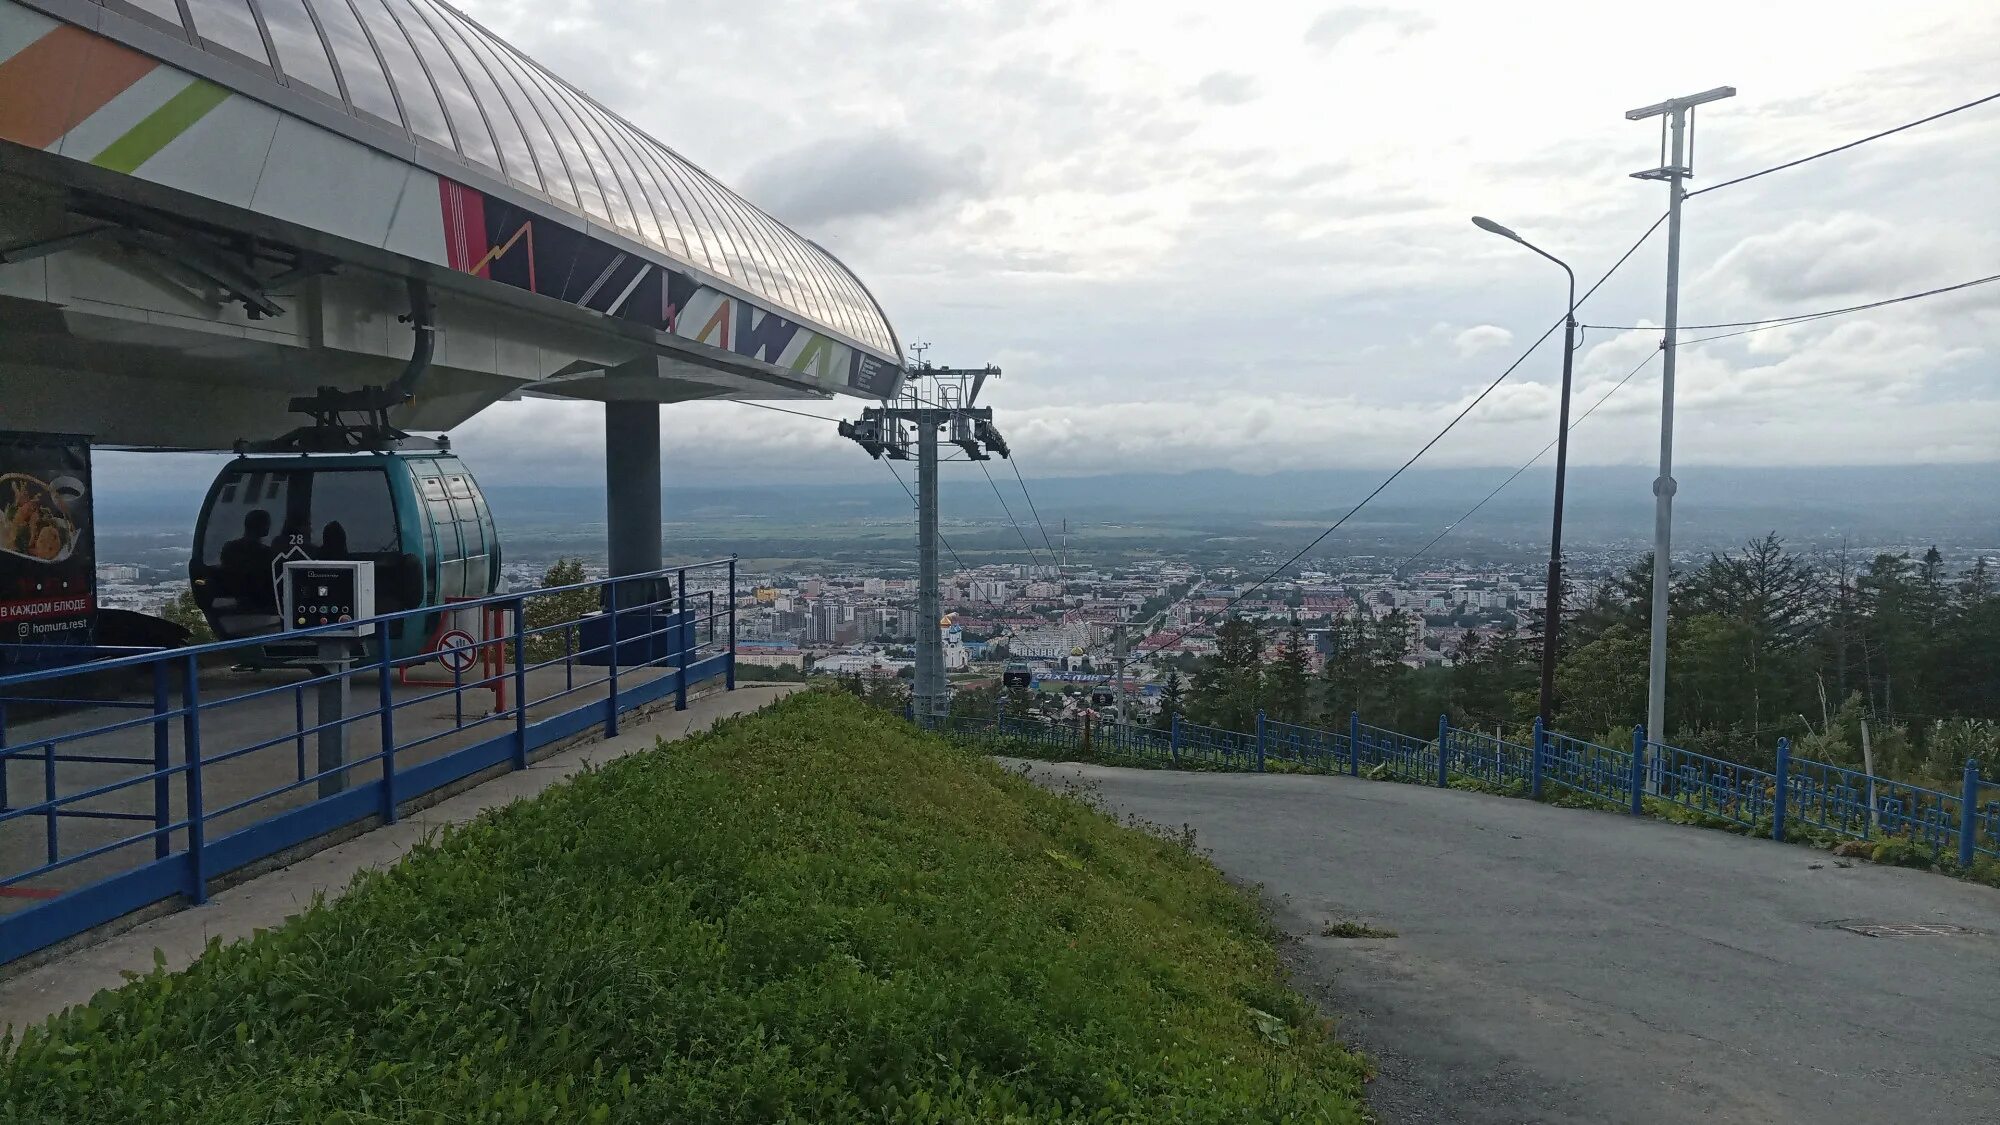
(812,914)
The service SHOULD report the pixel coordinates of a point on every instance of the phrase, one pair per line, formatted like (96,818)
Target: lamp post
(1552,612)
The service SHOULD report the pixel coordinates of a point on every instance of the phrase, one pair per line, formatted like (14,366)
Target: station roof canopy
(217,206)
(426,72)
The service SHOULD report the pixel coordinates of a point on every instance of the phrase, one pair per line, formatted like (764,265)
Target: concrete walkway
(268,900)
(1557,965)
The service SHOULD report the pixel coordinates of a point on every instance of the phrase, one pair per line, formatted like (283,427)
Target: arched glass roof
(428,72)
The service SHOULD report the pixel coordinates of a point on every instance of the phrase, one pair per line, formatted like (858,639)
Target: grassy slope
(812,914)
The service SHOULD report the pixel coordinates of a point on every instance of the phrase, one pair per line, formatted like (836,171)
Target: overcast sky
(1235,235)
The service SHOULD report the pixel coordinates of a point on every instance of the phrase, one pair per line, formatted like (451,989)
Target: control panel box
(330,593)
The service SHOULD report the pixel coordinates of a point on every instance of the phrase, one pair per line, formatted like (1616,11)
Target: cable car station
(320,234)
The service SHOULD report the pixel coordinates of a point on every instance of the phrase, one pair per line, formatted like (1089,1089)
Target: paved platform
(240,710)
(268,900)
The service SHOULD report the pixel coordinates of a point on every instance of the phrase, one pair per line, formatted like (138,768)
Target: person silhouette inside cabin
(246,562)
(333,541)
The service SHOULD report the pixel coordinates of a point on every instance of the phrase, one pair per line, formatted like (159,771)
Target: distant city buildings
(851,621)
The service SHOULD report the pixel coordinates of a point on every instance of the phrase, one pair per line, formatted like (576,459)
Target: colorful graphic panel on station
(496,240)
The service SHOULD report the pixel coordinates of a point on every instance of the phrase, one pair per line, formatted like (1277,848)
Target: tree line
(1893,660)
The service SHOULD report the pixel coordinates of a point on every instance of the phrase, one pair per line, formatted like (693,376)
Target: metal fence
(1711,786)
(140,777)
(1488,757)
(1307,747)
(1798,797)
(1585,768)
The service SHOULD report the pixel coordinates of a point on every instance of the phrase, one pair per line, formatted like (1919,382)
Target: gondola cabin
(418,516)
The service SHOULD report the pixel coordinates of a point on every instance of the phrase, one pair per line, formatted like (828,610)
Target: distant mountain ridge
(1960,501)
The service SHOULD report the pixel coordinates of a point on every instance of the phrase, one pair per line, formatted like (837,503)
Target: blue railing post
(730,682)
(1174,738)
(299,724)
(163,759)
(1444,754)
(1968,814)
(1260,740)
(1638,769)
(1783,783)
(521,683)
(611,664)
(385,666)
(684,633)
(1354,743)
(191,743)
(53,816)
(1535,759)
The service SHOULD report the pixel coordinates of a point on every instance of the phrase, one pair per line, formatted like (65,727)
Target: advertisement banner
(48,551)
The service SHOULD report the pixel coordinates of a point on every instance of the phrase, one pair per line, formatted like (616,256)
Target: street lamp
(1552,612)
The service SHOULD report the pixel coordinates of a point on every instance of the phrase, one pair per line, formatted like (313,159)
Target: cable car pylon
(882,431)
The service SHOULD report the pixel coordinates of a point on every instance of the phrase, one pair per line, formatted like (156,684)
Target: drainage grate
(1905,929)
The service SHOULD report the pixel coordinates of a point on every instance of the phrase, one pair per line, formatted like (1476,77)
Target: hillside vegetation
(1763,642)
(811,914)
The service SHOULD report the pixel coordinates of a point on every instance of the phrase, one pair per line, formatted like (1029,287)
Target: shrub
(1903,852)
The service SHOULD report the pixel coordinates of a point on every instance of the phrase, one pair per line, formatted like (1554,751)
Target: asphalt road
(1556,965)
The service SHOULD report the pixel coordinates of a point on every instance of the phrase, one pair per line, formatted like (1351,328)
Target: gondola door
(262,513)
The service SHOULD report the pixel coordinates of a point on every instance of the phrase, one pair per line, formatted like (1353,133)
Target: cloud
(1337,25)
(1481,338)
(869,176)
(1839,256)
(1047,186)
(1226,87)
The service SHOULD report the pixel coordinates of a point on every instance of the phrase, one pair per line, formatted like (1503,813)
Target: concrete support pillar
(632,494)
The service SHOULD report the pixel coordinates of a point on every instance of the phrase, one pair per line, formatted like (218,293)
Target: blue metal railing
(1585,767)
(1400,755)
(1800,795)
(1710,786)
(1981,832)
(1132,741)
(1488,757)
(1306,747)
(108,805)
(1851,803)
(1214,746)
